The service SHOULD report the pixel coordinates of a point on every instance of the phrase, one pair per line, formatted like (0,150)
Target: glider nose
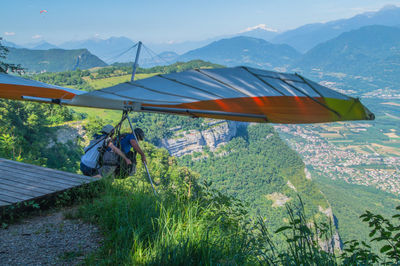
(368,114)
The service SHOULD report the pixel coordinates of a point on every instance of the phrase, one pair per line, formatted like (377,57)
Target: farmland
(364,153)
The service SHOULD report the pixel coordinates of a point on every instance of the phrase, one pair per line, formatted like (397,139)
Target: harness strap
(100,139)
(102,150)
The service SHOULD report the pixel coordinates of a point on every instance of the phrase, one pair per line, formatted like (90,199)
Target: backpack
(106,156)
(109,158)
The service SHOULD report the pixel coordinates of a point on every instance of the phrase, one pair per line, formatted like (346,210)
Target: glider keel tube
(195,112)
(46,100)
(99,100)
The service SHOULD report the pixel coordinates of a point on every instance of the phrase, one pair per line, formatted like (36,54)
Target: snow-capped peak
(261,27)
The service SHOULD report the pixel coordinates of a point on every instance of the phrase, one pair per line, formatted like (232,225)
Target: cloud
(37,36)
(260,26)
(9,33)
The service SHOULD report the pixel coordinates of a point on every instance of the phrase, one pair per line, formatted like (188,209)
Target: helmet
(107,129)
(139,133)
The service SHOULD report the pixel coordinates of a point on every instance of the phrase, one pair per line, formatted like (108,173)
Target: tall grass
(209,228)
(171,229)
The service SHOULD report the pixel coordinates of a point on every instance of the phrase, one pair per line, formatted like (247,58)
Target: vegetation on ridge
(192,224)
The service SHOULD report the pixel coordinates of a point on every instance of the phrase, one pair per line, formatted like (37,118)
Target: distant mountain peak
(309,35)
(244,50)
(259,27)
(53,60)
(389,7)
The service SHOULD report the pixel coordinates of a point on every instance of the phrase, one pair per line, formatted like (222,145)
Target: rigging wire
(154,57)
(113,58)
(150,52)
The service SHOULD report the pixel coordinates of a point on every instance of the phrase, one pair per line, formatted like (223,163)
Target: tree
(4,67)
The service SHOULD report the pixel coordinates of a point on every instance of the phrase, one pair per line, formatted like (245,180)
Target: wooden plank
(33,179)
(14,194)
(29,193)
(50,172)
(42,169)
(26,187)
(21,182)
(36,177)
(16,178)
(4,171)
(8,198)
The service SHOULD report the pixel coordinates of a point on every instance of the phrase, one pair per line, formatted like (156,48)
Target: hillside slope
(53,60)
(372,51)
(108,49)
(245,51)
(306,37)
(260,169)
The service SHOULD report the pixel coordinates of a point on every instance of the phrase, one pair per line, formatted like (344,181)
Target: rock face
(335,242)
(279,199)
(217,133)
(70,132)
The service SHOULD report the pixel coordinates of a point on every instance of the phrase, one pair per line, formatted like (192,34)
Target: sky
(163,21)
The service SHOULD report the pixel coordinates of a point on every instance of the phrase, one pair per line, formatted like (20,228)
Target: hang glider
(238,93)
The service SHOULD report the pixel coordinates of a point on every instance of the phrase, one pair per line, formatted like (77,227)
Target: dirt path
(48,240)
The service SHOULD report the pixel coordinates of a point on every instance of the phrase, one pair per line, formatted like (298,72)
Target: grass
(107,82)
(108,115)
(172,229)
(207,229)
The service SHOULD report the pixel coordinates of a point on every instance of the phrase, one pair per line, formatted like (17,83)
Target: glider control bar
(194,112)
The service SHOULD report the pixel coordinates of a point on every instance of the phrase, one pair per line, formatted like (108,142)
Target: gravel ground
(48,240)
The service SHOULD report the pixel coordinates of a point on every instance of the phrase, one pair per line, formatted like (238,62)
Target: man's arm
(119,152)
(137,148)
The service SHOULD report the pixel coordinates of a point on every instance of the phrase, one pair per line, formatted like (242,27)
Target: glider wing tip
(371,116)
(368,114)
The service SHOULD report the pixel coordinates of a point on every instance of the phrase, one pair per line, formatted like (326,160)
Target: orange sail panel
(15,88)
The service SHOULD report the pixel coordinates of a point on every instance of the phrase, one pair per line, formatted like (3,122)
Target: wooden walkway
(21,182)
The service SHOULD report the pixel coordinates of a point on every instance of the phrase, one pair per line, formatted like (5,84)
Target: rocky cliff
(214,134)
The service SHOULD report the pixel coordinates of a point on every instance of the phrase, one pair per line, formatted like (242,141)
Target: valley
(358,153)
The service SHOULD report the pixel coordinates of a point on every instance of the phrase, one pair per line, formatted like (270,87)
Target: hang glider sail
(238,93)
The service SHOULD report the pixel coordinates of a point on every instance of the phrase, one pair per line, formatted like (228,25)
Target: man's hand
(144,159)
(128,162)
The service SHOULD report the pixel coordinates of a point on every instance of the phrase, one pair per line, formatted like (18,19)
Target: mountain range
(361,51)
(245,51)
(307,36)
(108,50)
(371,52)
(53,60)
(302,38)
(355,51)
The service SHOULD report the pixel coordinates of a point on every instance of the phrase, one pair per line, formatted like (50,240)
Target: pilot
(129,141)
